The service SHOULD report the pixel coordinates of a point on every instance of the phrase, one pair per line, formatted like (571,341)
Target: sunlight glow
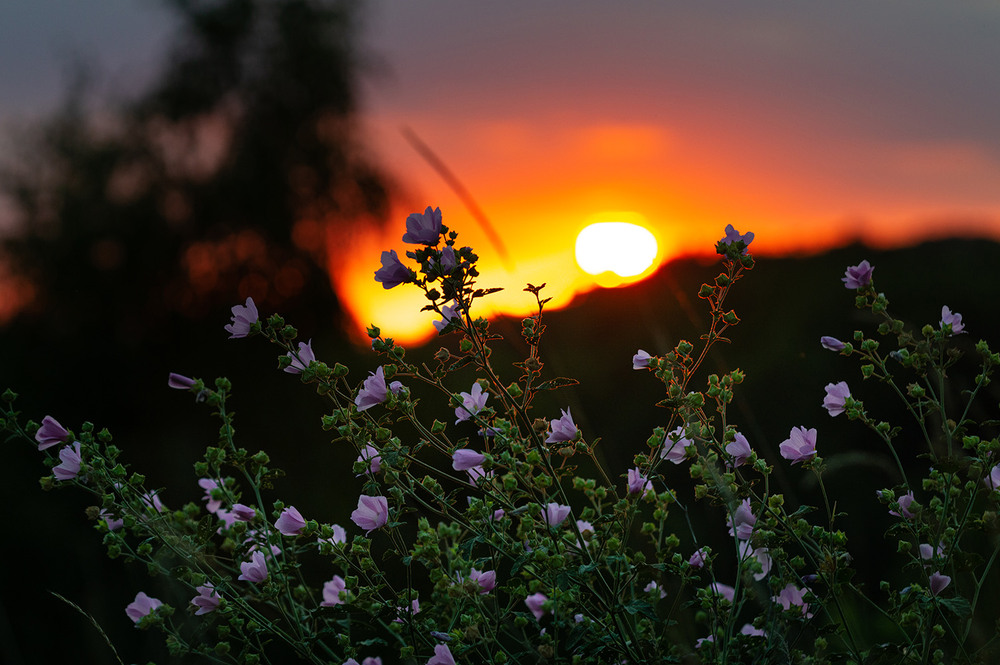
(624,248)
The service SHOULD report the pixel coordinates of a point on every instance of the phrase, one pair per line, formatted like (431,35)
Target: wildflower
(255,570)
(742,521)
(69,468)
(637,482)
(724,590)
(702,640)
(372,512)
(586,530)
(763,558)
(370,455)
(302,360)
(800,446)
(339,536)
(449,314)
(332,591)
(938,582)
(563,428)
(208,485)
(393,272)
(859,276)
(179,381)
(423,229)
(733,236)
(472,403)
(373,391)
(477,472)
(653,586)
(243,513)
(675,448)
(555,513)
(640,360)
(414,608)
(152,500)
(534,603)
(290,522)
(111,521)
(953,320)
(464,459)
(372,660)
(141,606)
(207,599)
(448,259)
(904,507)
(487,579)
(993,481)
(927,552)
(791,596)
(244,316)
(831,343)
(836,396)
(739,448)
(748,629)
(698,559)
(51,433)
(442,656)
(228,518)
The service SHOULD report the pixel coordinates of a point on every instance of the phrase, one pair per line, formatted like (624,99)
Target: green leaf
(958,606)
(557,382)
(640,607)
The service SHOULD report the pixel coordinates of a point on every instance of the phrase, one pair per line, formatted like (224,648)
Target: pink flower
(732,235)
(152,500)
(939,582)
(179,381)
(51,433)
(698,559)
(207,599)
(472,403)
(372,660)
(836,396)
(244,316)
(208,485)
(831,343)
(675,447)
(749,630)
(464,459)
(111,521)
(476,473)
(254,571)
(372,512)
(393,272)
(449,313)
(373,391)
(724,590)
(927,552)
(442,656)
(486,580)
(859,276)
(141,606)
(993,481)
(739,449)
(640,360)
(370,455)
(332,590)
(243,513)
(953,320)
(423,229)
(800,445)
(301,360)
(653,586)
(534,603)
(763,558)
(290,522)
(742,521)
(637,482)
(339,535)
(407,612)
(792,596)
(563,428)
(69,468)
(555,513)
(904,507)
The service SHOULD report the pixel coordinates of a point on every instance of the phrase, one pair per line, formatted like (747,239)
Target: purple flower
(904,507)
(859,276)
(423,229)
(448,259)
(464,459)
(393,272)
(290,522)
(993,481)
(339,535)
(255,570)
(792,596)
(749,630)
(831,343)
(373,391)
(563,428)
(653,586)
(742,521)
(111,521)
(477,472)
(640,360)
(302,360)
(637,482)
(800,445)
(152,500)
(179,381)
(372,660)
(697,559)
(372,512)
(69,468)
(732,235)
(141,606)
(370,455)
(487,580)
(243,513)
(953,320)
(836,395)
(675,448)
(332,590)
(534,603)
(927,552)
(208,485)
(939,582)
(472,403)
(450,314)
(442,654)
(51,433)
(555,513)
(207,599)
(244,316)
(724,590)
(739,449)
(763,558)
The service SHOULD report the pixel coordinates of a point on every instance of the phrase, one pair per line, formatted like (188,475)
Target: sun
(626,249)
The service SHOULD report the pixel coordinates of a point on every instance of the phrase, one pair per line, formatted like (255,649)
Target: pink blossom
(372,512)
(51,433)
(179,381)
(748,629)
(339,536)
(442,656)
(953,320)
(675,447)
(486,580)
(733,236)
(800,445)
(637,482)
(290,522)
(332,591)
(208,485)
(563,428)
(301,360)
(254,571)
(244,316)
(449,314)
(423,228)
(831,343)
(640,360)
(938,582)
(904,507)
(534,603)
(653,586)
(408,612)
(927,552)
(763,558)
(555,513)
(698,559)
(724,590)
(393,272)
(792,596)
(142,606)
(370,455)
(742,520)
(859,276)
(111,521)
(836,396)
(472,403)
(476,473)
(993,480)
(69,468)
(740,450)
(152,500)
(372,660)
(243,513)
(207,599)
(464,459)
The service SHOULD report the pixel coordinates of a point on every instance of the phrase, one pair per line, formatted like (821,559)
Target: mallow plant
(487,529)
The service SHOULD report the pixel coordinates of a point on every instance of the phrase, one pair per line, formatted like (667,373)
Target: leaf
(640,607)
(557,382)
(958,606)
(479,293)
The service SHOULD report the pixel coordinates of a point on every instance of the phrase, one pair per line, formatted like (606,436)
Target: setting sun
(626,249)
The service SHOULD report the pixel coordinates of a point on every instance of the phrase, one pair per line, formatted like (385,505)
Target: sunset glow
(625,249)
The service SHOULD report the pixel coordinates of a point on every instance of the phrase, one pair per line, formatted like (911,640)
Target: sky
(810,124)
